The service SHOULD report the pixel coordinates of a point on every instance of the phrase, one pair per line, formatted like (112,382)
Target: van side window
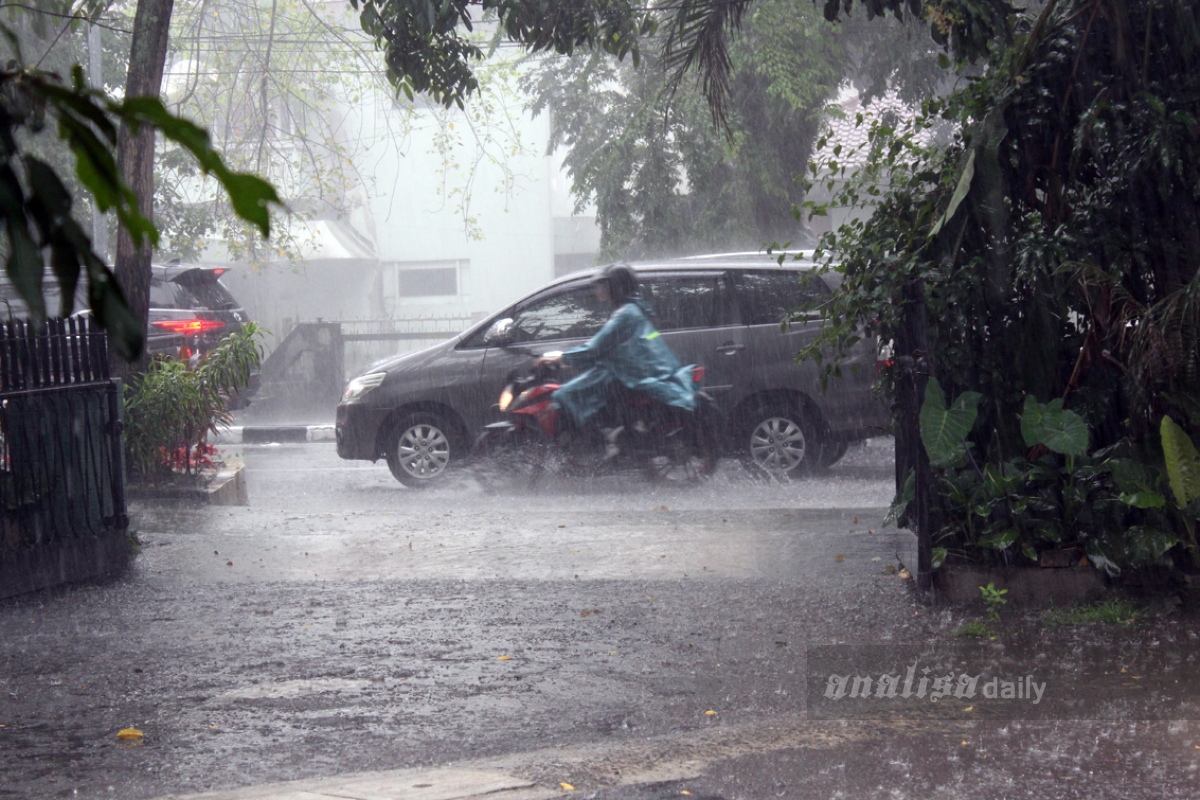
(688,301)
(767,296)
(574,313)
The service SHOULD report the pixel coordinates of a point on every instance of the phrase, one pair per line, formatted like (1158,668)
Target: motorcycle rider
(627,355)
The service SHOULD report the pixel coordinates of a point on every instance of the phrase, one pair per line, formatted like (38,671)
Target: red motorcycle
(666,443)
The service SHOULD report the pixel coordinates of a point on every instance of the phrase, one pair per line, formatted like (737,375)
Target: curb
(275,434)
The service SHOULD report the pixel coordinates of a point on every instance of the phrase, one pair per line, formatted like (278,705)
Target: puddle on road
(297,688)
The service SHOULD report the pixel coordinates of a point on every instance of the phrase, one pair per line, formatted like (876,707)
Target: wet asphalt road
(342,623)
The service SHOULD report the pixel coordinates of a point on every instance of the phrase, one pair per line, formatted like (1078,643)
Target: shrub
(173,406)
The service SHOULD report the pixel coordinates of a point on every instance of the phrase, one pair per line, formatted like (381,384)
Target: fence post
(116,440)
(912,351)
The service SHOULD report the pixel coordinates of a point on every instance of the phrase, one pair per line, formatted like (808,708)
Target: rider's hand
(548,361)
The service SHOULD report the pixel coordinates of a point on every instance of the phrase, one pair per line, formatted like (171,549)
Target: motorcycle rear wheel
(686,453)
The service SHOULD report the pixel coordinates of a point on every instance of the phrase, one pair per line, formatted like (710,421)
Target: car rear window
(767,296)
(202,290)
(164,294)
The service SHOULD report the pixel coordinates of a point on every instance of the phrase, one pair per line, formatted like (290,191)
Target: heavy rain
(725,399)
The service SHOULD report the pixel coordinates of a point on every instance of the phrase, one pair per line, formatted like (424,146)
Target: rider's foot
(611,449)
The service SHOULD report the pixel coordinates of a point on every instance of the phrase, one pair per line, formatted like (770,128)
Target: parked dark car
(190,310)
(421,410)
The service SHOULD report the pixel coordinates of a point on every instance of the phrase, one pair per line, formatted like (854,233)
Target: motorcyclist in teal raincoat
(627,352)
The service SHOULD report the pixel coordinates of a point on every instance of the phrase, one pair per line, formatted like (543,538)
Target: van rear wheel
(419,450)
(779,442)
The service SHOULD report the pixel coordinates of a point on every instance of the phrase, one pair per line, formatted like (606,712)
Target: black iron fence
(62,478)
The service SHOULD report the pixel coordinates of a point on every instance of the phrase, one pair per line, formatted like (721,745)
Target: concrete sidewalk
(582,770)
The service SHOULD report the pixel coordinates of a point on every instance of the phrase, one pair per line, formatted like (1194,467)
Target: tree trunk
(135,160)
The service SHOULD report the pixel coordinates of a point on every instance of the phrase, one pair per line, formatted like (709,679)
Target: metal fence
(62,479)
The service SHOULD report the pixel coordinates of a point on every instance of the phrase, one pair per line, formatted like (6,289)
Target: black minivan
(420,410)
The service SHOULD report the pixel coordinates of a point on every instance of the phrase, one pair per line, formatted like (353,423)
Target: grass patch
(1108,612)
(975,629)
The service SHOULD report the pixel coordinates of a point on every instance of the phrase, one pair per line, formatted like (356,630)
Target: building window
(428,282)
(417,279)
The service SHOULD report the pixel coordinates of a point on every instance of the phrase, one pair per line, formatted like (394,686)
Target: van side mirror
(500,334)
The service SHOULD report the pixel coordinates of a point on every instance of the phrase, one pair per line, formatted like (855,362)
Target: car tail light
(188,327)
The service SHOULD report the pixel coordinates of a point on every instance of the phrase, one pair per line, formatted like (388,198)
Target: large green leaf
(943,430)
(1061,430)
(1183,462)
(250,195)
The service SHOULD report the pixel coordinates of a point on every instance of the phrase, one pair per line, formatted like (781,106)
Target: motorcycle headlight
(359,386)
(506,398)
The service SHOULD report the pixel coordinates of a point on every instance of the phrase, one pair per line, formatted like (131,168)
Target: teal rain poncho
(628,349)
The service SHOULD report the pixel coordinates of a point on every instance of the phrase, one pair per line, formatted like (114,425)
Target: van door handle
(729,348)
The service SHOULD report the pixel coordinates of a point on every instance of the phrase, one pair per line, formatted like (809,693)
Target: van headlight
(359,386)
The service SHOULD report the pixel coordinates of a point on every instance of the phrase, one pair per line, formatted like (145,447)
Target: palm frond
(697,37)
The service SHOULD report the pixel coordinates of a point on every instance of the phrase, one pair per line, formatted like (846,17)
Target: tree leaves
(1061,430)
(35,205)
(250,195)
(944,429)
(1183,462)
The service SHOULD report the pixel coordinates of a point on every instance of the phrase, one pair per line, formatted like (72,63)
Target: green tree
(39,226)
(642,146)
(664,180)
(1054,242)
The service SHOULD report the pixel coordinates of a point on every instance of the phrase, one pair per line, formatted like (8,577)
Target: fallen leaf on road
(877,558)
(504,658)
(129,734)
(685,791)
(710,713)
(649,597)
(904,573)
(585,613)
(969,708)
(229,563)
(839,557)
(890,569)
(856,520)
(566,786)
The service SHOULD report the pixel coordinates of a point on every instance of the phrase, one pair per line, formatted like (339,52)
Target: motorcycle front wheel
(507,460)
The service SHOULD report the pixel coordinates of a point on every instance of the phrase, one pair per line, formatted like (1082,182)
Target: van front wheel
(419,450)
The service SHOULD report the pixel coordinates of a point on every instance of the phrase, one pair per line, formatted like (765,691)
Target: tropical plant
(1059,496)
(174,405)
